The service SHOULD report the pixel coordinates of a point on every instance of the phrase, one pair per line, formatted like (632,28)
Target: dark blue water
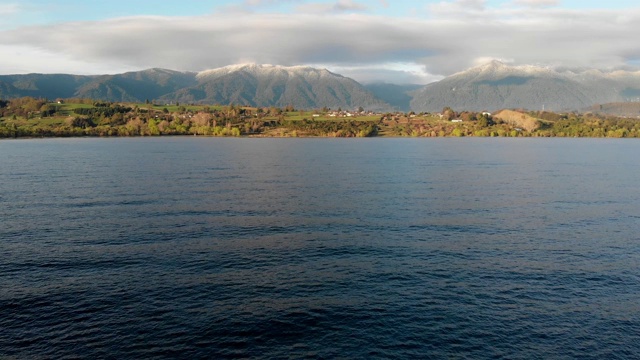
(320,248)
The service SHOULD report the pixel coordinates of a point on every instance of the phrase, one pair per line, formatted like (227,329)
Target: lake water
(320,248)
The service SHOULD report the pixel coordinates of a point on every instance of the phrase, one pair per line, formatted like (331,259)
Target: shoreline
(305,137)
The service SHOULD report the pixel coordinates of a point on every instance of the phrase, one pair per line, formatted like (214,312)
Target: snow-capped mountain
(302,87)
(497,85)
(272,85)
(492,86)
(266,70)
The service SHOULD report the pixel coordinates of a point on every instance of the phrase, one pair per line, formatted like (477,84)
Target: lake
(185,247)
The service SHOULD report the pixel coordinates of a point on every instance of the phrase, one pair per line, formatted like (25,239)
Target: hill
(398,96)
(132,86)
(626,109)
(48,86)
(517,119)
(135,86)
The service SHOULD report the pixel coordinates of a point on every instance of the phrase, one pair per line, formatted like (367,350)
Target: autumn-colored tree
(202,119)
(448,113)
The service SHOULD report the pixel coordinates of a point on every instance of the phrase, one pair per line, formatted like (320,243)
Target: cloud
(457,7)
(337,7)
(265,2)
(360,43)
(248,6)
(23,59)
(398,73)
(536,3)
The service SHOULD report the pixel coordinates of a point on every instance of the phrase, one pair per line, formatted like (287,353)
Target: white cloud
(536,3)
(398,73)
(457,7)
(361,44)
(487,59)
(23,59)
(349,5)
(248,6)
(332,7)
(266,2)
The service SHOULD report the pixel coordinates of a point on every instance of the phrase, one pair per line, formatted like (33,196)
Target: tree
(202,119)
(153,127)
(448,113)
(80,122)
(485,121)
(117,119)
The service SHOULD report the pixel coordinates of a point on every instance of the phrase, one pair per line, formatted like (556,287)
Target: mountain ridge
(487,87)
(275,85)
(244,84)
(497,85)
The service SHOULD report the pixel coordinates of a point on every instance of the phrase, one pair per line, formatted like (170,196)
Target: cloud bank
(450,37)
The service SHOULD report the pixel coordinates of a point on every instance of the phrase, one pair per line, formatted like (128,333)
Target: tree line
(30,117)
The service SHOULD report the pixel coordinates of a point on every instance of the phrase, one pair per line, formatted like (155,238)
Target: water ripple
(390,248)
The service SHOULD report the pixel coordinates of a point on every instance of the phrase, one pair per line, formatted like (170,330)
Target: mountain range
(490,87)
(497,85)
(249,84)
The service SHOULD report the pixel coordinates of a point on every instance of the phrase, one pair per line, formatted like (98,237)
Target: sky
(369,40)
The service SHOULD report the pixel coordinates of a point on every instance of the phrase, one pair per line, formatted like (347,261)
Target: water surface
(319,248)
